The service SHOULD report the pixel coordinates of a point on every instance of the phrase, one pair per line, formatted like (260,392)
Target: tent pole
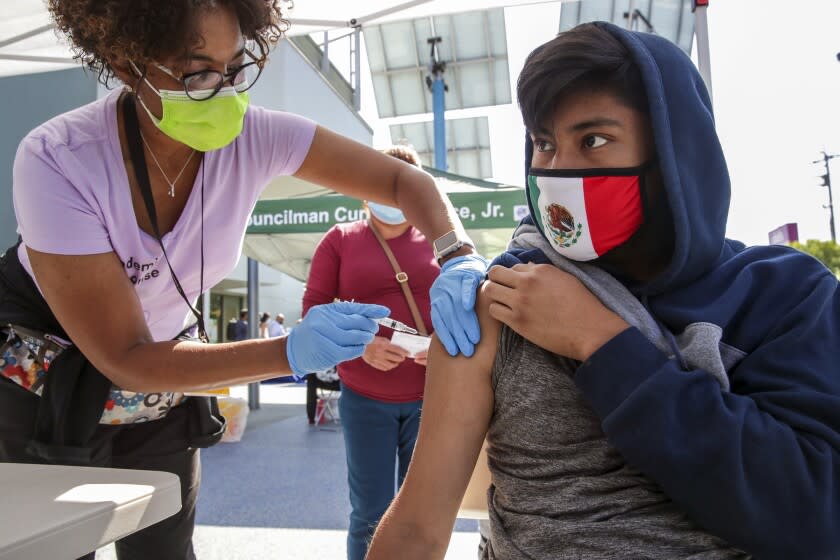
(22,36)
(325,57)
(388,11)
(701,30)
(329,23)
(630,9)
(357,63)
(33,58)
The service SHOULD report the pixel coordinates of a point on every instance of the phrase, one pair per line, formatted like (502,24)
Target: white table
(58,512)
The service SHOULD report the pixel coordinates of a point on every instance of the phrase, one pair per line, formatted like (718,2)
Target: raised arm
(457,406)
(356,170)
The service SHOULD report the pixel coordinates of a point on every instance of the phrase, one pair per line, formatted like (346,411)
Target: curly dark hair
(153,30)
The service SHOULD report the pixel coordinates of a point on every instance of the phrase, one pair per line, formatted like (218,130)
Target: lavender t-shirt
(72,197)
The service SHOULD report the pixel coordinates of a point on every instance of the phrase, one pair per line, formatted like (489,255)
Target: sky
(776,91)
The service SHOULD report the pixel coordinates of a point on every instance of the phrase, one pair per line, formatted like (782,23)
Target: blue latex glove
(453,303)
(331,334)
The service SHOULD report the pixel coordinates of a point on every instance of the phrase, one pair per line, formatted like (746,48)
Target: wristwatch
(447,244)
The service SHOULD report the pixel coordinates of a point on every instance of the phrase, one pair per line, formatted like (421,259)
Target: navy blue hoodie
(759,466)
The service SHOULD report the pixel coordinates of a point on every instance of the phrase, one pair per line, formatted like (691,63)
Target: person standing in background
(239,330)
(381,392)
(264,317)
(276,327)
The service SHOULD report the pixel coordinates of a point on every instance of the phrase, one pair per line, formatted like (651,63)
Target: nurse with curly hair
(130,207)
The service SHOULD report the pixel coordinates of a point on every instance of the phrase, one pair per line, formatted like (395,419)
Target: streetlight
(826,182)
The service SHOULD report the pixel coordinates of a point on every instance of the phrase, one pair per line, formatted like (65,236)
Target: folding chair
(327,405)
(318,388)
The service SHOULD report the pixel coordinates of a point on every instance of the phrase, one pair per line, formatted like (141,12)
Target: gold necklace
(166,178)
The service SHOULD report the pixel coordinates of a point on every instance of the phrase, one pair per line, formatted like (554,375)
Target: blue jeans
(379,438)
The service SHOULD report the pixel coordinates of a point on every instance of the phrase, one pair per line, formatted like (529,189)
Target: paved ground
(281,492)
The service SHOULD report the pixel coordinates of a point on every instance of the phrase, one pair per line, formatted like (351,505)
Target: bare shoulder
(485,351)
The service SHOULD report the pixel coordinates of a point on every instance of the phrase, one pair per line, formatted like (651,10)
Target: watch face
(444,241)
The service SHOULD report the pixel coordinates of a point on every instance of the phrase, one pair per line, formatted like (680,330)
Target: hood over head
(688,153)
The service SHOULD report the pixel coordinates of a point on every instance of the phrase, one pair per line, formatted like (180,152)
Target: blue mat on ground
(284,379)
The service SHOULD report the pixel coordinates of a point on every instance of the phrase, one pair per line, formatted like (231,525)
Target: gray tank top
(560,490)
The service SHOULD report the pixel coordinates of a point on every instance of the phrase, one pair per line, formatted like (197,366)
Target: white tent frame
(356,24)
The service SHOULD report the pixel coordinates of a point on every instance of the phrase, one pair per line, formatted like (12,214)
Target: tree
(827,252)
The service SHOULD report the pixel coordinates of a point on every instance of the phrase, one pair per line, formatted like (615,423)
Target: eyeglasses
(205,84)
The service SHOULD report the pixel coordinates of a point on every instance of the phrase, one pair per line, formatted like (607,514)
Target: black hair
(153,30)
(587,57)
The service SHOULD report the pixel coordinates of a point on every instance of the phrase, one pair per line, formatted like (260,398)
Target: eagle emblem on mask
(561,225)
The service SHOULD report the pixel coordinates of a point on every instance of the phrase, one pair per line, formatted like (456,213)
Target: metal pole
(303,22)
(701,30)
(325,56)
(439,106)
(826,158)
(388,11)
(205,308)
(357,58)
(27,35)
(33,58)
(438,87)
(630,9)
(831,210)
(253,319)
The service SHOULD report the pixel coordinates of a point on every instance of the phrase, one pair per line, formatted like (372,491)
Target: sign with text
(501,208)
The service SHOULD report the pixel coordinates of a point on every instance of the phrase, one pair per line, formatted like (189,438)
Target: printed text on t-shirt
(141,272)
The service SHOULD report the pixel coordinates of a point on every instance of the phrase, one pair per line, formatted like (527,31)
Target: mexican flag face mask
(586,212)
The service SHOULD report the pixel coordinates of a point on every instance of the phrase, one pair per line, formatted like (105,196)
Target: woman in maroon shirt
(382,391)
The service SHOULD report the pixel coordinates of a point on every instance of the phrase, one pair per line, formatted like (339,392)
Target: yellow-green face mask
(202,125)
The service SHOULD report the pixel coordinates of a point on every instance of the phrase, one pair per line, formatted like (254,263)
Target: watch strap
(453,245)
(451,249)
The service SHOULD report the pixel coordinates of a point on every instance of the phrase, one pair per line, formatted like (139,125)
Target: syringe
(390,323)
(396,325)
